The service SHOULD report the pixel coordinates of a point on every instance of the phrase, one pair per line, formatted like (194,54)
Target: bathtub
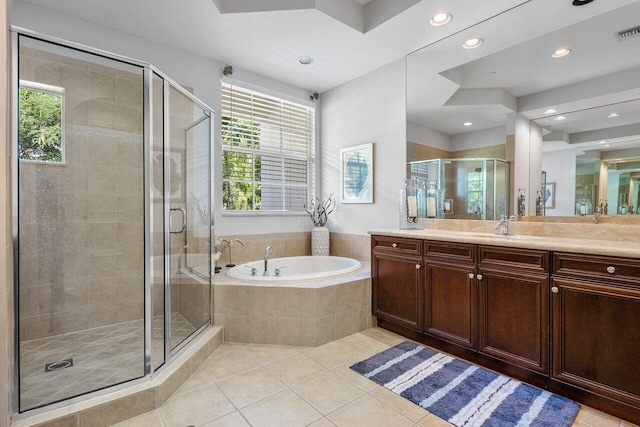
(295,269)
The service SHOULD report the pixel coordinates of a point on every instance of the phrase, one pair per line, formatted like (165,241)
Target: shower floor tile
(102,357)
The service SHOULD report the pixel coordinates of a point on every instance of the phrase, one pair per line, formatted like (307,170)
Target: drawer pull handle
(555,289)
(395,245)
(611,269)
(471,276)
(418,266)
(479,276)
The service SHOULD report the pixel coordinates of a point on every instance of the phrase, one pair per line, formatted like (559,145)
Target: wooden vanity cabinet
(513,320)
(596,324)
(396,273)
(451,292)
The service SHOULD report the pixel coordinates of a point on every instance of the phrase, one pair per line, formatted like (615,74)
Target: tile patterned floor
(101,357)
(267,385)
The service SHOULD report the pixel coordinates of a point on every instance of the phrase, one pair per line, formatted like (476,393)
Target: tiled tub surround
(354,246)
(303,314)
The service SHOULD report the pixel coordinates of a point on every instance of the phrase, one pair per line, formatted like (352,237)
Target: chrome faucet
(183,251)
(596,216)
(503,226)
(268,251)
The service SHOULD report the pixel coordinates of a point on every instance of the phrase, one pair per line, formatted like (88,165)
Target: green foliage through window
(40,125)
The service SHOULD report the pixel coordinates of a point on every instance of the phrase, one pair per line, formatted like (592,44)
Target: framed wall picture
(356,172)
(550,195)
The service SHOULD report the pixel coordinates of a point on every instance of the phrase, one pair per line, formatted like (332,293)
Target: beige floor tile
(296,369)
(364,344)
(433,421)
(327,392)
(283,409)
(355,378)
(384,335)
(233,419)
(323,422)
(195,407)
(332,354)
(226,347)
(224,365)
(399,403)
(369,412)
(150,419)
(265,353)
(590,417)
(198,379)
(250,386)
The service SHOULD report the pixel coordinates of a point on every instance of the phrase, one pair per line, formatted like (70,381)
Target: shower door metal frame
(148,71)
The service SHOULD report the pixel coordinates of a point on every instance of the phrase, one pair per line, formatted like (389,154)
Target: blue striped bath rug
(464,394)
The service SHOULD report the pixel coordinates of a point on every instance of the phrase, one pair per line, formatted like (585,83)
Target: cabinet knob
(479,276)
(611,269)
(555,289)
(394,245)
(418,266)
(471,276)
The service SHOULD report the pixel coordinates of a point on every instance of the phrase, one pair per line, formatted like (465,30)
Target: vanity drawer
(446,251)
(396,245)
(592,267)
(514,258)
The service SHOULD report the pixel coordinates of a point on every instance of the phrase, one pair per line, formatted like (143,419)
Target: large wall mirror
(568,126)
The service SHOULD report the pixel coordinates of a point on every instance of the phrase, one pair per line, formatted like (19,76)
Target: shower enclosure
(462,188)
(112,219)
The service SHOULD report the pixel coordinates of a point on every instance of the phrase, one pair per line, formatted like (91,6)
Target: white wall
(370,108)
(561,169)
(201,74)
(478,139)
(426,136)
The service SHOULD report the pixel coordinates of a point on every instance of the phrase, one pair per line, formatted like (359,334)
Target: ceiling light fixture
(603,142)
(560,118)
(551,111)
(562,52)
(612,115)
(305,60)
(440,19)
(467,124)
(472,43)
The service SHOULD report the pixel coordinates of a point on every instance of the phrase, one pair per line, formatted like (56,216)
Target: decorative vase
(320,241)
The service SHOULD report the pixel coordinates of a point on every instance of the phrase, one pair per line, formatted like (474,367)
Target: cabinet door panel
(596,338)
(397,289)
(514,318)
(450,303)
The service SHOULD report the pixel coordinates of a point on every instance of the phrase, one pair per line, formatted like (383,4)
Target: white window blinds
(267,151)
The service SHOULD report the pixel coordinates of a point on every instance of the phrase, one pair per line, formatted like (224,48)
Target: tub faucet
(503,226)
(268,251)
(183,251)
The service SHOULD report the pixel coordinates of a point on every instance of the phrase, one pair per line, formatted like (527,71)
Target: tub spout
(267,252)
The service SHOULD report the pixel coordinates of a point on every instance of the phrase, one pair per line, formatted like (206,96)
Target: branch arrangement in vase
(319,210)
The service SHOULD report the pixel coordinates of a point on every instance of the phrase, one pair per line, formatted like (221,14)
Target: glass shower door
(190,216)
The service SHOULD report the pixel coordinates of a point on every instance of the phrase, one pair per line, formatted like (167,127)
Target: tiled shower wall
(81,256)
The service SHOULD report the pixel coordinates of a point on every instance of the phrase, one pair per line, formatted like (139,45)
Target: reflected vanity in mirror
(575,119)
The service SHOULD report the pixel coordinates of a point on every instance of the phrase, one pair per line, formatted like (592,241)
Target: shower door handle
(177,225)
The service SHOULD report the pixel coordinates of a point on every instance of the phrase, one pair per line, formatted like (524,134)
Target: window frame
(281,155)
(56,90)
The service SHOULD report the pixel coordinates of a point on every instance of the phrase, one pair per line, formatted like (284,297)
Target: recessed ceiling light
(472,43)
(560,118)
(305,60)
(551,111)
(440,19)
(467,124)
(612,115)
(603,142)
(608,145)
(559,53)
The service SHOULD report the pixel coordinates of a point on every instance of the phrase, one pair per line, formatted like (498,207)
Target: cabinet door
(450,302)
(596,338)
(514,318)
(397,289)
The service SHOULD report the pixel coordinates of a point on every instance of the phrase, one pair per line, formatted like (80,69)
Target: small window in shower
(41,126)
(474,191)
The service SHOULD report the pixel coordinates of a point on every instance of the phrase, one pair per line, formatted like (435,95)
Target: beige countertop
(629,249)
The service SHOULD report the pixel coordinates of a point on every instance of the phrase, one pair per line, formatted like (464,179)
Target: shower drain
(56,366)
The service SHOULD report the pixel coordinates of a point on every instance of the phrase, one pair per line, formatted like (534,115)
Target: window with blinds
(267,152)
